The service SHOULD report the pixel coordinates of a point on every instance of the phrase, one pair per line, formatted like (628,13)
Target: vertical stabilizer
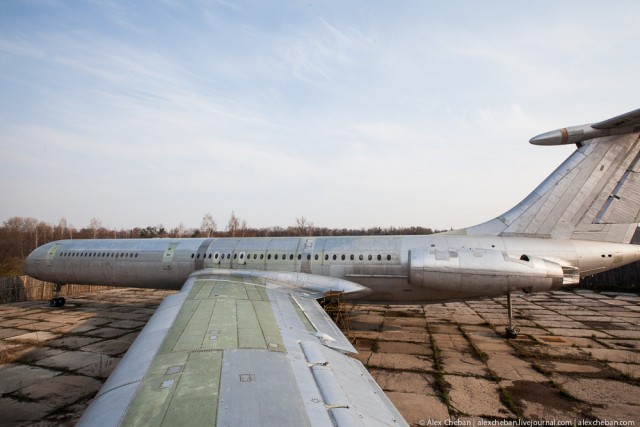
(593,195)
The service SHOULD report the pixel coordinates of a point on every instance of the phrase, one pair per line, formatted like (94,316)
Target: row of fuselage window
(219,257)
(100,254)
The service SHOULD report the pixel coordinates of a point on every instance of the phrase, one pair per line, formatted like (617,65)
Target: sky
(349,113)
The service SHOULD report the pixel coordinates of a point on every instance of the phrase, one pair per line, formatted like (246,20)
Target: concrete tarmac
(576,360)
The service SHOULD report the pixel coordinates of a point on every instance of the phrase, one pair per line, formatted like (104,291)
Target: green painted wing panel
(183,381)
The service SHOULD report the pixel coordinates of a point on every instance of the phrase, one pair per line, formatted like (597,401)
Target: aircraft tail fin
(594,195)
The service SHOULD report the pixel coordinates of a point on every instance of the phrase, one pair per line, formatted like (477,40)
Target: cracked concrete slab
(15,376)
(62,390)
(416,407)
(404,381)
(599,391)
(476,397)
(400,361)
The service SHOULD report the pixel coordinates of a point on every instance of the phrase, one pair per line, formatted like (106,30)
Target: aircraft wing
(243,348)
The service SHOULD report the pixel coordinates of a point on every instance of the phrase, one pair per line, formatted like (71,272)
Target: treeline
(19,236)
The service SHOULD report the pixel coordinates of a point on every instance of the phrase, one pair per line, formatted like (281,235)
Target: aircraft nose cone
(29,264)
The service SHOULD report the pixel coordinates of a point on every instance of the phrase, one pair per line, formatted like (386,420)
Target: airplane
(245,340)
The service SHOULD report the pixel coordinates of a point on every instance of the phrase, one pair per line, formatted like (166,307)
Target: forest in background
(19,235)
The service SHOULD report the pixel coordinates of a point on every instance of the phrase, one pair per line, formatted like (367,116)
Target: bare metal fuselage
(394,268)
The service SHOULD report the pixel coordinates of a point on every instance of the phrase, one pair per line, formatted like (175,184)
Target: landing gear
(511,331)
(57,301)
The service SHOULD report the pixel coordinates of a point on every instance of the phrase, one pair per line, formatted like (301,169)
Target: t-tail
(594,195)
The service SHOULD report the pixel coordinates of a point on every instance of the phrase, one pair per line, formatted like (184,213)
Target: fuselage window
(388,257)
(235,256)
(361,257)
(379,257)
(261,256)
(192,255)
(276,256)
(291,256)
(269,256)
(137,255)
(343,256)
(351,257)
(309,257)
(326,257)
(335,257)
(369,257)
(284,256)
(316,257)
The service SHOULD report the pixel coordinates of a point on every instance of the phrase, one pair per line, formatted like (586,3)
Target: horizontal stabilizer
(619,125)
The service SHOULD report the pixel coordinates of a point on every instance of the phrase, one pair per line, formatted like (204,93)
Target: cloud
(352,115)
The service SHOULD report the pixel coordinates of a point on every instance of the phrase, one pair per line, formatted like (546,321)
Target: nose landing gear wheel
(57,302)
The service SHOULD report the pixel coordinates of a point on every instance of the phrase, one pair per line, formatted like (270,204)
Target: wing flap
(326,330)
(229,350)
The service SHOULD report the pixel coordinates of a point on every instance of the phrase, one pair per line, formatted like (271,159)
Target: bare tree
(303,226)
(208,226)
(234,223)
(180,230)
(62,229)
(95,226)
